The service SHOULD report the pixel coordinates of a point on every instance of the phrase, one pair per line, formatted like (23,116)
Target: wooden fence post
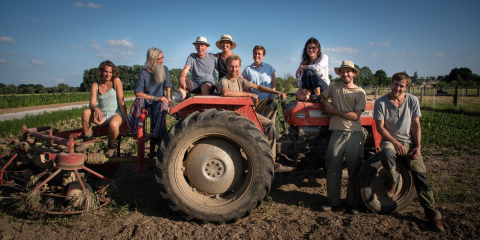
(421,95)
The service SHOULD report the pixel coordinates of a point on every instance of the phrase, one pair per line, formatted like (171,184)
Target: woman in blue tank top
(111,108)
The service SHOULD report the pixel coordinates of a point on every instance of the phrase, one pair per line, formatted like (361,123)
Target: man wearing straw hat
(397,118)
(348,103)
(202,65)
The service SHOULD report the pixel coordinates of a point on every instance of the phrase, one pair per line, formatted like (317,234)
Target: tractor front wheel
(214,166)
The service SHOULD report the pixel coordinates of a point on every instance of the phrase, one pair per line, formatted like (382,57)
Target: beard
(159,73)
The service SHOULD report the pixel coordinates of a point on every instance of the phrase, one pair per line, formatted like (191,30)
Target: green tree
(381,78)
(175,76)
(459,77)
(415,77)
(367,75)
(11,89)
(280,84)
(28,90)
(89,77)
(63,88)
(125,73)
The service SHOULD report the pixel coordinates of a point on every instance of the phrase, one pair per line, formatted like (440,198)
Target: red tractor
(214,164)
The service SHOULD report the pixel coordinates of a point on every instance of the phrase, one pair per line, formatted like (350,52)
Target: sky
(52,42)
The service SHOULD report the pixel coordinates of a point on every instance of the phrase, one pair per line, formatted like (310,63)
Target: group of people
(396,114)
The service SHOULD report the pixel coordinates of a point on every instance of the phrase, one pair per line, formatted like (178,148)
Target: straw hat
(347,64)
(226,37)
(201,40)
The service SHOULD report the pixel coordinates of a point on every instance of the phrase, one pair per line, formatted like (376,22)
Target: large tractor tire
(214,166)
(371,190)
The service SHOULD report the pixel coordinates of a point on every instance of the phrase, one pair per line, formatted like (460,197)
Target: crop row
(450,132)
(15,101)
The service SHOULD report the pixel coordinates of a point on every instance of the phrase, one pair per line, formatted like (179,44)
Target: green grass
(15,101)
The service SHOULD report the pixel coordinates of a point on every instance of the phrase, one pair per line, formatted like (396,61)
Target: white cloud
(7,39)
(8,52)
(95,47)
(3,61)
(292,60)
(105,55)
(374,54)
(335,62)
(402,54)
(126,55)
(124,43)
(59,80)
(89,5)
(342,50)
(469,57)
(439,54)
(38,63)
(380,44)
(95,6)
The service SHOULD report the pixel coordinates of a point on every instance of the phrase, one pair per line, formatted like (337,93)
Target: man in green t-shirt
(348,103)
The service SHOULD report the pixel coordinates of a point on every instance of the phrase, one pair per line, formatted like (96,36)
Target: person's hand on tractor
(282,96)
(182,83)
(305,91)
(162,99)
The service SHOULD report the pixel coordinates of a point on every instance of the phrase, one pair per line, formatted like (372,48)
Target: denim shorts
(108,115)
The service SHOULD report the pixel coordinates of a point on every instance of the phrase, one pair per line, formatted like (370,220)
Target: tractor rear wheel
(214,166)
(371,190)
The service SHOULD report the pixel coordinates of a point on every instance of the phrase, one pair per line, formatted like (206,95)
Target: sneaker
(280,168)
(86,146)
(352,209)
(389,189)
(329,208)
(437,225)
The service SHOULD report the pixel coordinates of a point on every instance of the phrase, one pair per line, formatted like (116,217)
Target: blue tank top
(108,102)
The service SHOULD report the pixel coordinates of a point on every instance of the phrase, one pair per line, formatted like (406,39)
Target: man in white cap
(348,103)
(202,65)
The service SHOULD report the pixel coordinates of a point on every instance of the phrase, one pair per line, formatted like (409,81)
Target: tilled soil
(291,210)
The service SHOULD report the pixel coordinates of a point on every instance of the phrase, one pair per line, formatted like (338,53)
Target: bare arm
(121,101)
(181,81)
(332,111)
(233,93)
(98,117)
(267,90)
(417,138)
(399,148)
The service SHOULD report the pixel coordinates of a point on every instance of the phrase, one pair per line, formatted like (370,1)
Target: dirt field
(290,211)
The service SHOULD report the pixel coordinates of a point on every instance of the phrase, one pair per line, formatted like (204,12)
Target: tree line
(129,76)
(36,88)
